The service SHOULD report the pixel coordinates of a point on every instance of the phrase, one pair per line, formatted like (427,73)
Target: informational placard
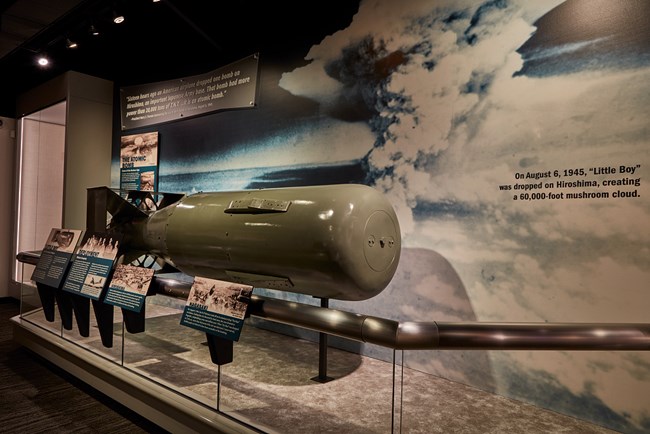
(232,86)
(92,264)
(128,287)
(560,183)
(55,256)
(217,307)
(139,162)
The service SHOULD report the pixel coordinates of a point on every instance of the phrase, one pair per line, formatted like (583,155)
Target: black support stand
(134,321)
(221,349)
(64,304)
(322,351)
(51,297)
(81,308)
(104,315)
(47,296)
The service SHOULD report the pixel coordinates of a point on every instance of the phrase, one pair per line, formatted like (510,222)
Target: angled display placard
(217,307)
(128,287)
(92,264)
(55,257)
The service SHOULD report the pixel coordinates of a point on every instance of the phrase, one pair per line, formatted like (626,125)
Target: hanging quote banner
(230,87)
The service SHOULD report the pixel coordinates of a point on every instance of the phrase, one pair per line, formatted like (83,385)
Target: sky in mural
(448,107)
(465,102)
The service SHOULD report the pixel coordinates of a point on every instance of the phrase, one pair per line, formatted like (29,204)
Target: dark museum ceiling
(157,41)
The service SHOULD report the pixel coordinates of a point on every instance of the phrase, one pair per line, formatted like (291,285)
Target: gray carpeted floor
(37,397)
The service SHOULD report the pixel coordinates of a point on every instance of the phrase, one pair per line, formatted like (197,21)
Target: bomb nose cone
(381,249)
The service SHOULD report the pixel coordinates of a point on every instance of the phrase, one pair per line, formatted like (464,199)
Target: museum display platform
(166,374)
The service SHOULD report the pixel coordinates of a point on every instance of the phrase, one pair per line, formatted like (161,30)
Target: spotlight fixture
(43,61)
(93,30)
(117,18)
(70,44)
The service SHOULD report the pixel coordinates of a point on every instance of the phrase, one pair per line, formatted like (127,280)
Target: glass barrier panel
(170,354)
(275,384)
(85,330)
(429,400)
(279,378)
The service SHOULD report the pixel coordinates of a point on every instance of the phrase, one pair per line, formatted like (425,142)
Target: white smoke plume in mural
(455,121)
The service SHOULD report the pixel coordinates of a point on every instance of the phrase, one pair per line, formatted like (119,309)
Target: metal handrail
(412,335)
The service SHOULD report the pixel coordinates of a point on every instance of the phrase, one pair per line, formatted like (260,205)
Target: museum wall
(7,163)
(512,139)
(87,137)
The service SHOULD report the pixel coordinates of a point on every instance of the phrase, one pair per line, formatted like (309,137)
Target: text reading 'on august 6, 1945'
(620,181)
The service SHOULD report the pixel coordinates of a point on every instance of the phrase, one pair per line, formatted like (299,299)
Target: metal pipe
(545,336)
(413,335)
(455,335)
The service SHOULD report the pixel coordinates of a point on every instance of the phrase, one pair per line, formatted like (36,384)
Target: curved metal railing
(412,335)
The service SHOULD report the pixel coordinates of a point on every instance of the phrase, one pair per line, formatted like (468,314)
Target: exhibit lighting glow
(326,215)
(43,61)
(335,318)
(21,148)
